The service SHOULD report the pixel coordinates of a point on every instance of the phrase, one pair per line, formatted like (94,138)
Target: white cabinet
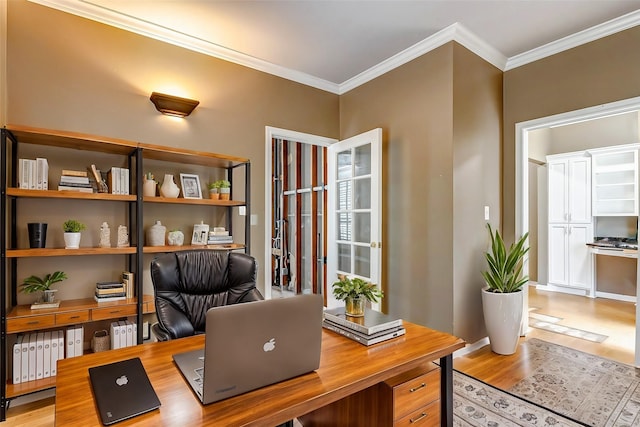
(569,256)
(615,181)
(569,188)
(570,220)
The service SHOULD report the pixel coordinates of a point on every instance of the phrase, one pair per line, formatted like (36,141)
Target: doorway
(523,134)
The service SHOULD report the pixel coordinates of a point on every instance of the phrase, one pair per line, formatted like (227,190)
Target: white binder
(17,360)
(46,355)
(39,355)
(24,363)
(79,340)
(32,356)
(70,345)
(54,352)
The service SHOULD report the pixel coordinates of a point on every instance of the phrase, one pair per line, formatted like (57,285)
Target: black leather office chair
(187,283)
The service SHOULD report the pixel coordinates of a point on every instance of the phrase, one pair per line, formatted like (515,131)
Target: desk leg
(446,391)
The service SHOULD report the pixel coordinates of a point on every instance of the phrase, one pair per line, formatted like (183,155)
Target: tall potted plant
(502,297)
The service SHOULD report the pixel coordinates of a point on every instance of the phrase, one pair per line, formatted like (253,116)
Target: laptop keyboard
(199,380)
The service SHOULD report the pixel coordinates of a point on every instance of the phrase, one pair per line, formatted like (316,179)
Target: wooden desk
(346,367)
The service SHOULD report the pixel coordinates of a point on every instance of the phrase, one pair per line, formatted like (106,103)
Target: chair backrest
(188,283)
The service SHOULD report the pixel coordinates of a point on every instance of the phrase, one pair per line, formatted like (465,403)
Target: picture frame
(200,234)
(190,186)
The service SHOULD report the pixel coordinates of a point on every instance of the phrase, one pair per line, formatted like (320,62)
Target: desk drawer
(416,392)
(72,317)
(427,416)
(30,323)
(113,312)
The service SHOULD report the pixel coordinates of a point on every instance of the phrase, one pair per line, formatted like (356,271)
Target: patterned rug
(596,391)
(477,404)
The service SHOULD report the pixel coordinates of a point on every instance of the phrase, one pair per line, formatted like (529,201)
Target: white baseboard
(617,297)
(470,348)
(572,291)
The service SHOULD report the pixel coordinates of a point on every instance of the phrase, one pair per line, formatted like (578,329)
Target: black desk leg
(446,391)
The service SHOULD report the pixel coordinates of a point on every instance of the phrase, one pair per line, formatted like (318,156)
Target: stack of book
(219,236)
(72,180)
(372,328)
(127,281)
(118,180)
(110,291)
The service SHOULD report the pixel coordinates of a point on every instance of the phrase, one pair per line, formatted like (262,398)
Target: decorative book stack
(110,291)
(72,180)
(127,281)
(219,236)
(372,328)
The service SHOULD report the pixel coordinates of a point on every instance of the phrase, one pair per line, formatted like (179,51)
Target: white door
(580,190)
(579,256)
(558,254)
(354,226)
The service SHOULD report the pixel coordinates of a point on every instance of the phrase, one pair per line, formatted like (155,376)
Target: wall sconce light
(173,105)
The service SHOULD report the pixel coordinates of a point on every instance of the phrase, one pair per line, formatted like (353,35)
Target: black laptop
(122,390)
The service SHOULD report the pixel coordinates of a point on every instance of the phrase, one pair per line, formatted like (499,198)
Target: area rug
(587,388)
(478,404)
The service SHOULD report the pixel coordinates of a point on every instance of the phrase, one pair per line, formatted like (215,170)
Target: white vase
(169,188)
(175,238)
(149,188)
(502,318)
(155,234)
(72,240)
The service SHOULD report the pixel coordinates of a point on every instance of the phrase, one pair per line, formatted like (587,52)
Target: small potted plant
(72,229)
(43,284)
(354,292)
(214,188)
(224,189)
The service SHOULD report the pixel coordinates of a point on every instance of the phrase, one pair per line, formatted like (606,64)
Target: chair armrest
(160,334)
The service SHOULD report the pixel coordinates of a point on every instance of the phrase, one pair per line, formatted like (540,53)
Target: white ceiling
(337,45)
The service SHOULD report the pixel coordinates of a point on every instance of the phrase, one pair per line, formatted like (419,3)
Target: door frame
(522,177)
(290,135)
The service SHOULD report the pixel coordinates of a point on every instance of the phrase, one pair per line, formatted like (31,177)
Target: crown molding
(88,10)
(455,32)
(605,29)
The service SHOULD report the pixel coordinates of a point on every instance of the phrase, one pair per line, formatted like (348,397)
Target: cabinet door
(580,272)
(579,190)
(558,198)
(558,255)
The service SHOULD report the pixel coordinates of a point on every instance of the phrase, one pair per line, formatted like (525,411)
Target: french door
(354,201)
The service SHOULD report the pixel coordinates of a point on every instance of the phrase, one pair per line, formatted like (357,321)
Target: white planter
(72,240)
(502,318)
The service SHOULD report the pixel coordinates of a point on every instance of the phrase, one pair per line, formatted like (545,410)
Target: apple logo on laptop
(123,380)
(269,345)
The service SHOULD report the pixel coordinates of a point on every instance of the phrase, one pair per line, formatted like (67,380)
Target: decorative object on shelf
(169,189)
(214,191)
(200,234)
(155,234)
(502,302)
(123,236)
(101,185)
(175,238)
(354,292)
(43,284)
(173,105)
(37,234)
(72,229)
(105,236)
(224,189)
(190,186)
(100,341)
(149,185)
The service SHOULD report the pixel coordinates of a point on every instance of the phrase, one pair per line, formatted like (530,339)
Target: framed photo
(190,186)
(200,234)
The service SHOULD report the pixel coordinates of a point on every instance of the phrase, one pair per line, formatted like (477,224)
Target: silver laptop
(254,344)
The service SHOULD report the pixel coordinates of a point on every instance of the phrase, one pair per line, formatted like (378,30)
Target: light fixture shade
(173,105)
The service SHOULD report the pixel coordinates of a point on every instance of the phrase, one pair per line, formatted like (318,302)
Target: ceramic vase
(149,188)
(175,238)
(155,234)
(169,188)
(502,318)
(72,240)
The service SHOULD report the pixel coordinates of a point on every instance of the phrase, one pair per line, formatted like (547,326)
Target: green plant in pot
(354,292)
(224,188)
(72,229)
(43,284)
(502,298)
(214,190)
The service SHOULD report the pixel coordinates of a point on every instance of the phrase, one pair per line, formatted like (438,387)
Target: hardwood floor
(615,319)
(608,317)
